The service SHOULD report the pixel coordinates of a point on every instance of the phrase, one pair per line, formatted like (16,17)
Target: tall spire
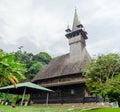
(76,22)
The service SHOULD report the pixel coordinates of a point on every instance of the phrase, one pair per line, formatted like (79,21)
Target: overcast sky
(39,25)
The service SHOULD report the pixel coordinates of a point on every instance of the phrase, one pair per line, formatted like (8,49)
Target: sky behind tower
(39,25)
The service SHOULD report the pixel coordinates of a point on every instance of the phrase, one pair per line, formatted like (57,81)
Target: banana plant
(10,70)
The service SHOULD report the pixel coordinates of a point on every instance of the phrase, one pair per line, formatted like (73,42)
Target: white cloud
(39,25)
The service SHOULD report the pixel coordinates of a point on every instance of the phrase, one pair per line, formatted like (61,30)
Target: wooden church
(64,73)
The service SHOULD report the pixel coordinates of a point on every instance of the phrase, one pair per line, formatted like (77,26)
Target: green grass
(37,109)
(105,110)
(53,109)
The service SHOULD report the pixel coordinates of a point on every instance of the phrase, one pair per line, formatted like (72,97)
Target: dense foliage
(13,67)
(103,76)
(34,63)
(10,70)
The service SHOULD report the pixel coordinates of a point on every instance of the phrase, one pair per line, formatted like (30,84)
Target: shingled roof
(61,66)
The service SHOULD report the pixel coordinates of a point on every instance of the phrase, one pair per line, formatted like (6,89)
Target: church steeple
(76,22)
(76,38)
(77,28)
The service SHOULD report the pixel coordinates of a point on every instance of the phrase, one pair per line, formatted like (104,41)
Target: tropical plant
(10,71)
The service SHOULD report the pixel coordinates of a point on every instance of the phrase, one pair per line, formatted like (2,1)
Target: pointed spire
(76,22)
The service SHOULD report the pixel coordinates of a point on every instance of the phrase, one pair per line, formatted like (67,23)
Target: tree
(33,63)
(103,77)
(23,57)
(10,71)
(43,57)
(35,68)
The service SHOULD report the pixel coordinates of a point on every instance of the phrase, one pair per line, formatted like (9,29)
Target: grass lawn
(53,109)
(105,110)
(37,109)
